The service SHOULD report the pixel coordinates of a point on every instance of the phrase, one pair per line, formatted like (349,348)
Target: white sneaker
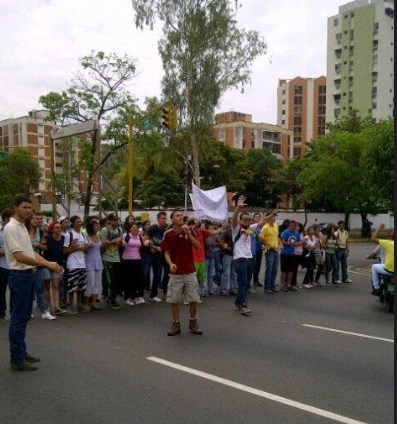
(48,316)
(129,302)
(307,286)
(338,282)
(348,280)
(155,299)
(142,300)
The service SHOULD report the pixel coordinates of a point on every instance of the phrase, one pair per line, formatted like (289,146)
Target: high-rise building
(237,130)
(301,107)
(32,133)
(360,60)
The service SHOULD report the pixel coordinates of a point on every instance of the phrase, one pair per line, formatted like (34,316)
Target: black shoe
(22,366)
(258,284)
(31,359)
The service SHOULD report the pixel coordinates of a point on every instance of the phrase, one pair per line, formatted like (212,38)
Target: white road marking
(349,333)
(248,389)
(357,272)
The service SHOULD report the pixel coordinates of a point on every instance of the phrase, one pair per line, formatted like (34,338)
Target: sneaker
(142,300)
(200,301)
(95,307)
(31,359)
(155,299)
(269,291)
(175,328)
(258,284)
(59,311)
(233,292)
(129,302)
(194,328)
(283,290)
(252,290)
(307,286)
(292,288)
(223,293)
(348,280)
(185,302)
(337,282)
(22,366)
(244,310)
(48,316)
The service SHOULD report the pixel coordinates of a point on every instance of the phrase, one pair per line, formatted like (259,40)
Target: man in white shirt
(242,254)
(23,262)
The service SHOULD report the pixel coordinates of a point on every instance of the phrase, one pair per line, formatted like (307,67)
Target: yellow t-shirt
(341,238)
(388,247)
(269,237)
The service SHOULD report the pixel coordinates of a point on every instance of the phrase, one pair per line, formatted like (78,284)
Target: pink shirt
(131,249)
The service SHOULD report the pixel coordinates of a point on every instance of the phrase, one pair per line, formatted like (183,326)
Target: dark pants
(134,285)
(4,273)
(257,265)
(243,268)
(22,292)
(166,276)
(157,266)
(111,280)
(331,265)
(342,263)
(310,265)
(146,265)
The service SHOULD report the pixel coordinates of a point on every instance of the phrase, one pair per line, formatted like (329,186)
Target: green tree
(379,163)
(20,173)
(98,91)
(204,54)
(352,123)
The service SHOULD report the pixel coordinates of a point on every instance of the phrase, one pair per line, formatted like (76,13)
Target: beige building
(237,130)
(32,132)
(301,107)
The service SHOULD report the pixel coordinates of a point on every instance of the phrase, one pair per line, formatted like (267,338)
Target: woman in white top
(310,243)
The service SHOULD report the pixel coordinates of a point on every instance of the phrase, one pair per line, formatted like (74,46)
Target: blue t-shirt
(291,237)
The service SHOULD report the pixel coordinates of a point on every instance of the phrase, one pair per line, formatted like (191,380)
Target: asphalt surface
(95,368)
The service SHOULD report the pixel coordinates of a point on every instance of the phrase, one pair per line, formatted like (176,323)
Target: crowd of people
(80,267)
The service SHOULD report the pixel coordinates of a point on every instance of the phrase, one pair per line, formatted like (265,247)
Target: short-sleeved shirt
(76,259)
(156,234)
(17,239)
(111,254)
(132,248)
(270,236)
(180,249)
(388,246)
(290,237)
(54,252)
(341,238)
(242,247)
(200,236)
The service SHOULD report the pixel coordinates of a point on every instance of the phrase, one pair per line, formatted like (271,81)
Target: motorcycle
(386,292)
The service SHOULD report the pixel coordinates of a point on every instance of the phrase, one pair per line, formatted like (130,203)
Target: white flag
(209,204)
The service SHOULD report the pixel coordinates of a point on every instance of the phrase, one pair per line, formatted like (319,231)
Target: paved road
(267,368)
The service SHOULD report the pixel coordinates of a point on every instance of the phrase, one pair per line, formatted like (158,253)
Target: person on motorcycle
(386,268)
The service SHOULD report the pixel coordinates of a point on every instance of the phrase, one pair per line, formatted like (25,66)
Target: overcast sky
(41,42)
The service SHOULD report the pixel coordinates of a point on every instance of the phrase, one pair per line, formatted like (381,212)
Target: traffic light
(169,117)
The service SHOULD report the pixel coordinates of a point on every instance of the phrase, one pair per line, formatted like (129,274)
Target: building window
(321,130)
(283,102)
(376,27)
(321,121)
(336,22)
(297,131)
(321,110)
(297,151)
(338,68)
(322,89)
(283,122)
(351,50)
(351,34)
(297,120)
(338,53)
(222,134)
(336,112)
(283,112)
(297,100)
(297,110)
(276,148)
(322,100)
(298,89)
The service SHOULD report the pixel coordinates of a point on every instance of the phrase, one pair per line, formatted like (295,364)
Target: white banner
(209,204)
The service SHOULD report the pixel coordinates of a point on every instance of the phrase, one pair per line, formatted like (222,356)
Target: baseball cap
(62,218)
(112,215)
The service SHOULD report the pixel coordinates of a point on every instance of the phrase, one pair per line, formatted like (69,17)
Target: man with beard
(242,255)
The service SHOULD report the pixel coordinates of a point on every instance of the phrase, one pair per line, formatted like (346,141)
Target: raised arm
(374,237)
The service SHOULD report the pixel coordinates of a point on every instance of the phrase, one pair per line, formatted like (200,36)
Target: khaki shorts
(186,284)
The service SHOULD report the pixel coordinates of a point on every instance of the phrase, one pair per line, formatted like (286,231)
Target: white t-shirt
(75,259)
(310,244)
(242,247)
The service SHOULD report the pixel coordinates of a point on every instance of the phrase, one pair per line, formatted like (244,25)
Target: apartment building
(360,60)
(32,132)
(301,107)
(237,130)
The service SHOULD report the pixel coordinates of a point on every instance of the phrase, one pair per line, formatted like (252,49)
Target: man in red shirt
(177,247)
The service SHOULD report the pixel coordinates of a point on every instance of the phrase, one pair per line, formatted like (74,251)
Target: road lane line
(248,389)
(349,333)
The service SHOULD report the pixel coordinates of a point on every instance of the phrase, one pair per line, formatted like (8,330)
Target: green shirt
(111,254)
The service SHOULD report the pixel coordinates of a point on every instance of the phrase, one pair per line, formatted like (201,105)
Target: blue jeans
(210,267)
(4,273)
(22,291)
(229,277)
(146,265)
(271,271)
(38,291)
(342,263)
(218,266)
(243,269)
(330,265)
